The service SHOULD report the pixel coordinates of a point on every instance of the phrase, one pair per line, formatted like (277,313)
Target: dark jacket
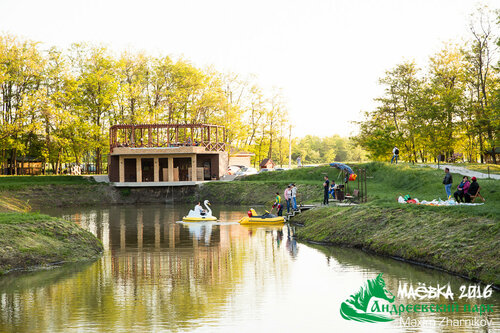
(474,186)
(447,179)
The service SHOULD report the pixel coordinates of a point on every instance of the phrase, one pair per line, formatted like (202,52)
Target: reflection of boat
(195,216)
(264,219)
(196,230)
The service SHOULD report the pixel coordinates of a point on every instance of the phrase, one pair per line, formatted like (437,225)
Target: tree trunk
(481,148)
(14,161)
(98,161)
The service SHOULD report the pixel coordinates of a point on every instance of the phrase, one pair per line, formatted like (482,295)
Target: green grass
(385,183)
(19,182)
(30,239)
(456,242)
(19,193)
(494,168)
(460,239)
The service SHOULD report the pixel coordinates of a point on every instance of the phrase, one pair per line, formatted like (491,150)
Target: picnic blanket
(437,202)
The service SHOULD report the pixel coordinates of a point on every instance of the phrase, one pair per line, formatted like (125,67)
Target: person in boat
(199,210)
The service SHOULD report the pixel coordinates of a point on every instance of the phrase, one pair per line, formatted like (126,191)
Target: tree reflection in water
(155,274)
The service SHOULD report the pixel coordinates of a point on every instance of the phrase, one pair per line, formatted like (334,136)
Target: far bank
(28,240)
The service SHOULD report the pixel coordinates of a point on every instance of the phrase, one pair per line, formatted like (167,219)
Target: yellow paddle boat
(199,219)
(265,219)
(200,215)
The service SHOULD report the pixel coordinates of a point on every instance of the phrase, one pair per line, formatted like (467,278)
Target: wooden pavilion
(166,154)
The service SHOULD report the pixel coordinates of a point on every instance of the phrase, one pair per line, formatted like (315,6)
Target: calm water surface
(159,275)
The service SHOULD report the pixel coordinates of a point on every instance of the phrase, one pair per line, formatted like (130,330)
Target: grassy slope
(28,239)
(468,246)
(464,240)
(51,190)
(19,182)
(250,192)
(385,183)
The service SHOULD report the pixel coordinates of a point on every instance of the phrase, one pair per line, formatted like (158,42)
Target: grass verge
(20,182)
(453,241)
(30,239)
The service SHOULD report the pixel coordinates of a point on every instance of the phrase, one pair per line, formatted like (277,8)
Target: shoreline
(451,252)
(33,241)
(457,240)
(412,262)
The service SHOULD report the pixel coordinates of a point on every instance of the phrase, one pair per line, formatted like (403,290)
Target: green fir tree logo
(355,307)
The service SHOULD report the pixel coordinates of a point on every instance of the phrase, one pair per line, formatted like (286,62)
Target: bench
(353,197)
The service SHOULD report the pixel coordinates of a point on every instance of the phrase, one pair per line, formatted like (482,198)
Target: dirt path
(464,171)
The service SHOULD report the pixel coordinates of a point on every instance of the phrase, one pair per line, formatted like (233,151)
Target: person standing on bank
(288,198)
(326,189)
(395,155)
(447,181)
(294,196)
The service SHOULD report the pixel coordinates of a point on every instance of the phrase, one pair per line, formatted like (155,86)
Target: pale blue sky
(326,55)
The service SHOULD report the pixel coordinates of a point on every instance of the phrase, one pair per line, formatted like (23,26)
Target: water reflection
(157,274)
(154,274)
(341,259)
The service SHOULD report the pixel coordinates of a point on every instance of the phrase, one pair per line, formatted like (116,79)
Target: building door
(147,165)
(207,170)
(130,169)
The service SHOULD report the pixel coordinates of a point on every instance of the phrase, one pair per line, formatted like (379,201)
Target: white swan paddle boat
(195,216)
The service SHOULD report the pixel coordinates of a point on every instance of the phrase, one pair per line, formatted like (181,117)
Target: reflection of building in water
(153,276)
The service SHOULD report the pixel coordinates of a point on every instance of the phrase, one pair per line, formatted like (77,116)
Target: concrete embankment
(465,245)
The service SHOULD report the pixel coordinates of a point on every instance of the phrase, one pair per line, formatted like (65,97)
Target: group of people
(466,190)
(290,196)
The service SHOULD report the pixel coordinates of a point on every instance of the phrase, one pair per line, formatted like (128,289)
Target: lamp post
(290,147)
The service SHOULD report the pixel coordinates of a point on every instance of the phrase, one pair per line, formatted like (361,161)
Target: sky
(325,55)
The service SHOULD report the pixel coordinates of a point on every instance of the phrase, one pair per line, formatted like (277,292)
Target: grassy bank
(386,182)
(460,239)
(29,239)
(456,242)
(57,191)
(251,192)
(22,182)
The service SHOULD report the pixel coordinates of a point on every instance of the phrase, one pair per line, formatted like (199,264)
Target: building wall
(218,162)
(223,163)
(240,160)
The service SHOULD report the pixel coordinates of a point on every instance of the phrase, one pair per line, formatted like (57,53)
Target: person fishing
(278,205)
